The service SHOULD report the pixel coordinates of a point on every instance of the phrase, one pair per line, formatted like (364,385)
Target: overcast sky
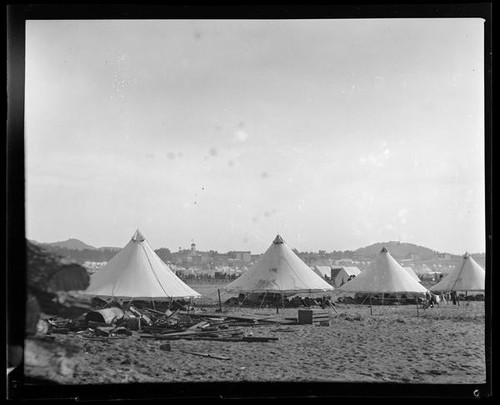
(334,133)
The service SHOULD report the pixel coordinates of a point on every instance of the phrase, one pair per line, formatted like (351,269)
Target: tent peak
(278,240)
(138,237)
(466,255)
(384,250)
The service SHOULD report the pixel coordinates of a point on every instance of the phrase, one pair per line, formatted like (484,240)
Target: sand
(442,345)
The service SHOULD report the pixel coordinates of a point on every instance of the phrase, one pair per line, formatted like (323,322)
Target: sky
(334,133)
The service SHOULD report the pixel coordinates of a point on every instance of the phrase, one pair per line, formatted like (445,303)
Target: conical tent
(412,273)
(136,272)
(469,276)
(384,275)
(279,270)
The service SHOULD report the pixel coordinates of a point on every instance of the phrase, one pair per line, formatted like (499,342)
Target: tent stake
(220,303)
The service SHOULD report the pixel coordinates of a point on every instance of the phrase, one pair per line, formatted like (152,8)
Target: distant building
(341,275)
(442,256)
(244,256)
(324,271)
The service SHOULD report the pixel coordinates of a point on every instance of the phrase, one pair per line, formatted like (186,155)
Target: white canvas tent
(341,275)
(279,270)
(384,275)
(136,272)
(323,271)
(412,273)
(469,276)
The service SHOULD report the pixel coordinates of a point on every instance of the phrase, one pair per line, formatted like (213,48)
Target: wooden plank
(198,325)
(215,315)
(214,356)
(258,339)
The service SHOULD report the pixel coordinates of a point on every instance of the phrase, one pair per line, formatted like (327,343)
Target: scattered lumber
(141,315)
(258,339)
(199,325)
(214,356)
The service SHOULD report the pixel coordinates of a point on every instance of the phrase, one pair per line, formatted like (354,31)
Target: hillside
(72,244)
(397,249)
(79,251)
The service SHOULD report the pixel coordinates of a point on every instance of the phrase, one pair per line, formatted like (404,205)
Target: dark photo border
(20,389)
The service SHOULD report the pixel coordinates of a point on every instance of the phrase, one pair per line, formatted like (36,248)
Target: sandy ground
(442,345)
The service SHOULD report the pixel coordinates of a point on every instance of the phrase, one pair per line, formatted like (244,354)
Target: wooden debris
(105,315)
(258,339)
(133,323)
(101,332)
(141,315)
(63,331)
(214,356)
(120,331)
(199,325)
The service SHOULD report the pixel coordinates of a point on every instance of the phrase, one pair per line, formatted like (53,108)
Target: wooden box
(312,316)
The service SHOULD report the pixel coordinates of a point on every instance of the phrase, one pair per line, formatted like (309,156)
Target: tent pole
(371,310)
(220,303)
(263,298)
(416,300)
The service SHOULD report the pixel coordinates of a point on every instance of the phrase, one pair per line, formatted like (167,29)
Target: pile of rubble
(149,323)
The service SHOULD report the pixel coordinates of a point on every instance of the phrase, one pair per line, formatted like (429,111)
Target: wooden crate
(312,316)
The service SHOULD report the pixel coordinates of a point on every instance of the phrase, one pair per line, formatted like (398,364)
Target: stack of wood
(54,288)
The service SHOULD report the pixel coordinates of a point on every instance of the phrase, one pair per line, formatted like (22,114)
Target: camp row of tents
(137,273)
